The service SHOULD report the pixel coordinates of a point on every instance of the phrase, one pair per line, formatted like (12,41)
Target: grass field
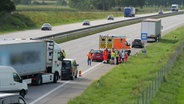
(172,91)
(126,81)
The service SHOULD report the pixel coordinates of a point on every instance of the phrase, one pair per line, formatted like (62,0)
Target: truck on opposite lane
(36,61)
(129,12)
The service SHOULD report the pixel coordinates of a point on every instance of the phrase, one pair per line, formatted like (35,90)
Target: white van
(10,81)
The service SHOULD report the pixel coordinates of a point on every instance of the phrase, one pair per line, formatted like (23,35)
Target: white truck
(36,61)
(10,81)
(151,27)
(174,7)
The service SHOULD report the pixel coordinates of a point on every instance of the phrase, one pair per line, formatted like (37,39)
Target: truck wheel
(56,77)
(38,79)
(76,74)
(72,77)
(22,93)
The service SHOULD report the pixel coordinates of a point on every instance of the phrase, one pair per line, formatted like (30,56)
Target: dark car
(11,98)
(111,17)
(160,12)
(97,55)
(46,26)
(86,22)
(137,43)
(69,69)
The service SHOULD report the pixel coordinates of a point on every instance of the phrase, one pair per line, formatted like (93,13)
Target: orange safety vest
(89,55)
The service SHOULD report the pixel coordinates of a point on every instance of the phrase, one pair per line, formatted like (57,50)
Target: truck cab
(129,12)
(174,7)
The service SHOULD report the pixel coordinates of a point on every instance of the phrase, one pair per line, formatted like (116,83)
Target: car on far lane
(69,69)
(110,17)
(137,43)
(86,22)
(46,26)
(160,12)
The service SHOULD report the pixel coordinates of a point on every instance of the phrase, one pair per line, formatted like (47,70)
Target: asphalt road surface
(63,91)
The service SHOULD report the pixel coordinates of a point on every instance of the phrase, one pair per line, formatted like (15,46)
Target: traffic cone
(80,73)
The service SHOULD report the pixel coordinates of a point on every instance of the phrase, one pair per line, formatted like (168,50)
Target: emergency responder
(89,55)
(113,55)
(64,54)
(123,55)
(105,55)
(126,57)
(117,56)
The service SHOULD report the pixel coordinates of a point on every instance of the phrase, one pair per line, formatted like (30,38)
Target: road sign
(144,36)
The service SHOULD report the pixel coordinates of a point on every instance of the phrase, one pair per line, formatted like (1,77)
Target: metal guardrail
(91,29)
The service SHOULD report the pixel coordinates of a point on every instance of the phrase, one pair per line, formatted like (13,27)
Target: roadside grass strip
(125,82)
(172,91)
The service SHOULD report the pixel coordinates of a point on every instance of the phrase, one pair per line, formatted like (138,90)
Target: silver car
(11,98)
(46,26)
(86,22)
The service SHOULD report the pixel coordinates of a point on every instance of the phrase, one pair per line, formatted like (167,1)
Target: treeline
(103,4)
(8,5)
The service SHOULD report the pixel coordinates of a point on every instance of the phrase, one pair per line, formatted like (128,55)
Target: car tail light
(71,70)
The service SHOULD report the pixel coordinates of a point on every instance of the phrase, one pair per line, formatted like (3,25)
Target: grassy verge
(14,22)
(180,96)
(126,81)
(171,92)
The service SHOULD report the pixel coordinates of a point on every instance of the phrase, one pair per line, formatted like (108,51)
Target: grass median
(124,83)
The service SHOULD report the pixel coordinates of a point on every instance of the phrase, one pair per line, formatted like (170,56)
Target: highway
(64,28)
(62,91)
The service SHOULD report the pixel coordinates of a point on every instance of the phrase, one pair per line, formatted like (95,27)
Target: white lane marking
(86,71)
(38,99)
(49,92)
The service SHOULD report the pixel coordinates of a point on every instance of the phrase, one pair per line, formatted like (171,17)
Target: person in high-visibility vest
(63,53)
(117,56)
(89,55)
(113,55)
(105,55)
(126,57)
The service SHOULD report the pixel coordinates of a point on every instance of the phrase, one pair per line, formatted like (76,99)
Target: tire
(22,93)
(38,79)
(56,77)
(72,77)
(76,74)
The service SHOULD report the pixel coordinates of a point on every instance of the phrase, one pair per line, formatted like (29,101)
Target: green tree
(62,2)
(103,4)
(6,6)
(17,2)
(80,4)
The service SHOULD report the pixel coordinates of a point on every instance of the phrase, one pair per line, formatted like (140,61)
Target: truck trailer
(129,12)
(36,61)
(151,27)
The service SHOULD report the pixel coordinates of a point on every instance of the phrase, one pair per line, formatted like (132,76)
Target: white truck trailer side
(36,61)
(152,27)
